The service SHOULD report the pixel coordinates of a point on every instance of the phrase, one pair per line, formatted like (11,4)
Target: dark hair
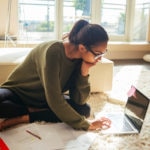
(87,34)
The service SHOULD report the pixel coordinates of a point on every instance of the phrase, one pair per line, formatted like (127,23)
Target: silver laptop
(131,121)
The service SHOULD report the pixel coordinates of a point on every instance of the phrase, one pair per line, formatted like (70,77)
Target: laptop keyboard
(126,126)
(120,123)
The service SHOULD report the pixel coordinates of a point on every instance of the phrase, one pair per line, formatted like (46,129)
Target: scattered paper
(58,136)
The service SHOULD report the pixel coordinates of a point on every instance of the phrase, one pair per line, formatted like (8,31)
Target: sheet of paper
(58,136)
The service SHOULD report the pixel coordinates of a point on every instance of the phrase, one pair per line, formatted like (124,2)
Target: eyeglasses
(97,55)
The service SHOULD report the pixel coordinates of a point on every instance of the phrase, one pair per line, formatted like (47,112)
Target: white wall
(127,50)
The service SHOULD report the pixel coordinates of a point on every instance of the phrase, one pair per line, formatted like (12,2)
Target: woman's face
(95,53)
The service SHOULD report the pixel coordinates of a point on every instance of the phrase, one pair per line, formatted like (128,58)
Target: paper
(58,136)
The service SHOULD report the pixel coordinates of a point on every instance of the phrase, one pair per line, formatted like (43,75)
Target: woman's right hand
(98,124)
(85,68)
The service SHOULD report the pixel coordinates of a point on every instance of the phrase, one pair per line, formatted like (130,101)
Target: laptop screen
(136,107)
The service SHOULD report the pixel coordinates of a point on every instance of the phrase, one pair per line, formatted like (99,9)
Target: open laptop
(131,120)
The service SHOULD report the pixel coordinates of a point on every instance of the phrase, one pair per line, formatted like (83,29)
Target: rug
(101,103)
(115,101)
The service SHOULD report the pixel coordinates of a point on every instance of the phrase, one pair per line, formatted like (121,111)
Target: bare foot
(14,121)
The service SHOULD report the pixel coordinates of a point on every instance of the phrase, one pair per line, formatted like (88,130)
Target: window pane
(36,20)
(142,8)
(74,10)
(113,16)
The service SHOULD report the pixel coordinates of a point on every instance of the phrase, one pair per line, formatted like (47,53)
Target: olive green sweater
(43,77)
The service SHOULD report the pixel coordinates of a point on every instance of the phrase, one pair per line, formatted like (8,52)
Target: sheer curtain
(8,18)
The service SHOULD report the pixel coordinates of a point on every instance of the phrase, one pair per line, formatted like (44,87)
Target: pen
(33,134)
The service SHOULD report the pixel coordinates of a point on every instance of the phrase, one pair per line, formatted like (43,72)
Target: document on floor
(36,136)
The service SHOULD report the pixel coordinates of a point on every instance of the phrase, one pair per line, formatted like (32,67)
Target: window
(74,10)
(141,21)
(113,16)
(36,20)
(41,20)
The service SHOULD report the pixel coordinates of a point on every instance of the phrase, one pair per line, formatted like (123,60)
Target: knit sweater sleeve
(49,73)
(80,88)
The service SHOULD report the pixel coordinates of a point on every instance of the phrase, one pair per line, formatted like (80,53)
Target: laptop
(131,120)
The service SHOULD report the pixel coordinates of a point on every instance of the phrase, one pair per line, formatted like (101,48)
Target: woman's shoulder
(48,47)
(56,45)
(49,44)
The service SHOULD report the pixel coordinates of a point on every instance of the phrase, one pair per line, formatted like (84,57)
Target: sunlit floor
(127,73)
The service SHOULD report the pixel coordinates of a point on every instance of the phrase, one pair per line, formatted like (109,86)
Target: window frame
(125,36)
(95,17)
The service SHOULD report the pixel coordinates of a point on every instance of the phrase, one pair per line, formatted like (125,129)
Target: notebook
(132,119)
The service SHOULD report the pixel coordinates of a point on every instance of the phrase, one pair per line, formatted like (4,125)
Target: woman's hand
(102,123)
(85,68)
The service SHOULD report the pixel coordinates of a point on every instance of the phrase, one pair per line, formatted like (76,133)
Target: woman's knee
(4,94)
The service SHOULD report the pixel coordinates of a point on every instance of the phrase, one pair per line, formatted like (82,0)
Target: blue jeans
(12,106)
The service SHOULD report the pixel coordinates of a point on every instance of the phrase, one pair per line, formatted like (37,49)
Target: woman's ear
(82,48)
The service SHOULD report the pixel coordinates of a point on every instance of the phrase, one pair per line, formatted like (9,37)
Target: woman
(34,90)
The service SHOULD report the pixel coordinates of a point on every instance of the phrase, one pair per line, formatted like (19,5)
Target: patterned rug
(102,103)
